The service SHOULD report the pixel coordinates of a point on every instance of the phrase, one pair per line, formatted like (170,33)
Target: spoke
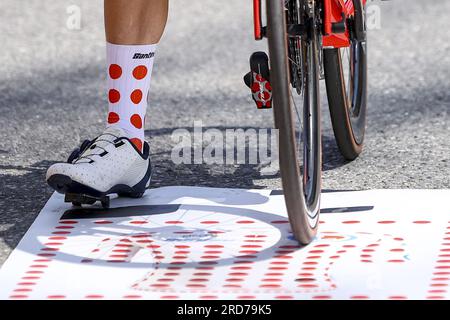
(299,118)
(292,61)
(347,70)
(351,75)
(296,111)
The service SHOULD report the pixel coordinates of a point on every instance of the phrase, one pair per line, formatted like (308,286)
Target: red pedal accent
(261,91)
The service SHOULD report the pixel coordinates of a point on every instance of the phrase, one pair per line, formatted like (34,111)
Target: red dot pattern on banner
(136,121)
(39,266)
(245,221)
(322,297)
(170,297)
(279,222)
(140,72)
(140,222)
(115,71)
(94,296)
(132,296)
(209,222)
(103,222)
(68,222)
(359,297)
(367,252)
(271,281)
(439,281)
(56,296)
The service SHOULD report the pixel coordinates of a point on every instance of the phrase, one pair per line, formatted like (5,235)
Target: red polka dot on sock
(136,96)
(115,71)
(114,96)
(113,117)
(137,142)
(140,72)
(136,121)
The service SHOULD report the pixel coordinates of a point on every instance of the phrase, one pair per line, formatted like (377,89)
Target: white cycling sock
(129,75)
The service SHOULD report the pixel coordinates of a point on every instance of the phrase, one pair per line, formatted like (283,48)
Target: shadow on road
(167,173)
(23,194)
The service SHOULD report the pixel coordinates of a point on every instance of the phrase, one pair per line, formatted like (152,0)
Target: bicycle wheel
(346,83)
(294,76)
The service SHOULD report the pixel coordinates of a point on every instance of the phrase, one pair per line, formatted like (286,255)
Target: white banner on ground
(208,243)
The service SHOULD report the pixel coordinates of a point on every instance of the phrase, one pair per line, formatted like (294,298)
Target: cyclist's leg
(133,29)
(135,22)
(119,158)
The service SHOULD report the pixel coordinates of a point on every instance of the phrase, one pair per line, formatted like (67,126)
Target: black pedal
(79,199)
(258,80)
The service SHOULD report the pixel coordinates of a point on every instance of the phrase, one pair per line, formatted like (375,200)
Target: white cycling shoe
(106,165)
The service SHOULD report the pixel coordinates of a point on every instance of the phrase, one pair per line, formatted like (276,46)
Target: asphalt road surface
(52,95)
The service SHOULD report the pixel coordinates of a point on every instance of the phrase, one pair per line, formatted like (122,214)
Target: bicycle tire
(302,205)
(347,108)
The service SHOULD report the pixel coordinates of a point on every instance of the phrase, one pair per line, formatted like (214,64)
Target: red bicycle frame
(334,11)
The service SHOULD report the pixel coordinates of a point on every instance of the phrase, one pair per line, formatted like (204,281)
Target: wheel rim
(300,54)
